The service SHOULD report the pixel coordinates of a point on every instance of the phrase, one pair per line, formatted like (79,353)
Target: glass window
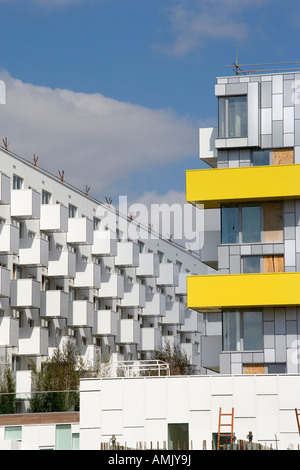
(231,331)
(251,224)
(72,211)
(46,197)
(253,331)
(251,264)
(230,224)
(96,223)
(233,121)
(75,441)
(178,436)
(17,182)
(63,439)
(260,157)
(13,433)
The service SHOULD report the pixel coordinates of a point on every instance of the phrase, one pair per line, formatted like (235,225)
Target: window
(260,157)
(96,222)
(233,120)
(242,331)
(72,211)
(13,433)
(46,197)
(241,224)
(17,182)
(141,246)
(251,264)
(160,256)
(63,440)
(178,434)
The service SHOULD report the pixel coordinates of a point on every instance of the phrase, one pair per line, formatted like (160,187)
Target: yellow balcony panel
(212,293)
(243,184)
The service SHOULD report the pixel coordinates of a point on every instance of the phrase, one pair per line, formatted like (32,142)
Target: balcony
(192,322)
(148,265)
(168,275)
(150,339)
(33,252)
(80,231)
(112,286)
(127,254)
(81,314)
(242,184)
(4,189)
(175,313)
(33,341)
(155,304)
(191,351)
(54,218)
(25,293)
(88,275)
(106,323)
(4,282)
(62,264)
(54,304)
(207,149)
(134,295)
(25,204)
(9,331)
(214,293)
(9,239)
(181,288)
(211,348)
(105,243)
(129,332)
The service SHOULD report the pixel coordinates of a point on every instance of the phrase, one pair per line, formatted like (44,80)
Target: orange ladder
(230,425)
(297,418)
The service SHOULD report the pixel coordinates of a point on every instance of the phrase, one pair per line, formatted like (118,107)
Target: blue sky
(113,91)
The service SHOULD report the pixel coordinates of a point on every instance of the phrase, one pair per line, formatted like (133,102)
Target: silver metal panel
(296,154)
(266,121)
(268,249)
(269,314)
(291,313)
(297,213)
(288,119)
(236,142)
(290,253)
(277,107)
(277,84)
(223,257)
(297,131)
(278,248)
(288,140)
(235,264)
(280,348)
(277,134)
(234,158)
(266,141)
(289,226)
(269,328)
(220,90)
(253,114)
(256,249)
(266,95)
(288,93)
(245,156)
(236,89)
(225,363)
(234,249)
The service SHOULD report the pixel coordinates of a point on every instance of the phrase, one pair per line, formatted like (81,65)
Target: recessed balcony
(242,184)
(25,293)
(192,322)
(25,204)
(148,265)
(4,282)
(81,314)
(80,231)
(54,218)
(54,304)
(33,252)
(112,286)
(104,243)
(106,323)
(4,189)
(88,275)
(213,293)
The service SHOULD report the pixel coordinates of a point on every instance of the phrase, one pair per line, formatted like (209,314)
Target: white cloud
(94,139)
(192,22)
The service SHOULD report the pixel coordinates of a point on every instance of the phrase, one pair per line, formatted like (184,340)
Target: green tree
(7,391)
(55,385)
(178,360)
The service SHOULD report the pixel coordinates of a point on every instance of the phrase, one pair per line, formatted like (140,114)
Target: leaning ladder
(230,425)
(297,418)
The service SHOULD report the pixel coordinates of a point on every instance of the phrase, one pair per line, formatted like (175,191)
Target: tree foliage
(7,391)
(55,386)
(178,360)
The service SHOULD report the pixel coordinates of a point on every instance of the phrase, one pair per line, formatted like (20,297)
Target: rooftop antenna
(87,190)
(238,70)
(109,201)
(35,160)
(61,174)
(5,143)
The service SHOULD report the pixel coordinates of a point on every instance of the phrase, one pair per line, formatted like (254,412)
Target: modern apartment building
(253,186)
(64,274)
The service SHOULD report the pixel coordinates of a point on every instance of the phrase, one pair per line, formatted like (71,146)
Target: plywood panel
(39,418)
(254,369)
(273,264)
(283,156)
(272,222)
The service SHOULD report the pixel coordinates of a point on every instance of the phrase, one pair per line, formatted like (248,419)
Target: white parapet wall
(140,409)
